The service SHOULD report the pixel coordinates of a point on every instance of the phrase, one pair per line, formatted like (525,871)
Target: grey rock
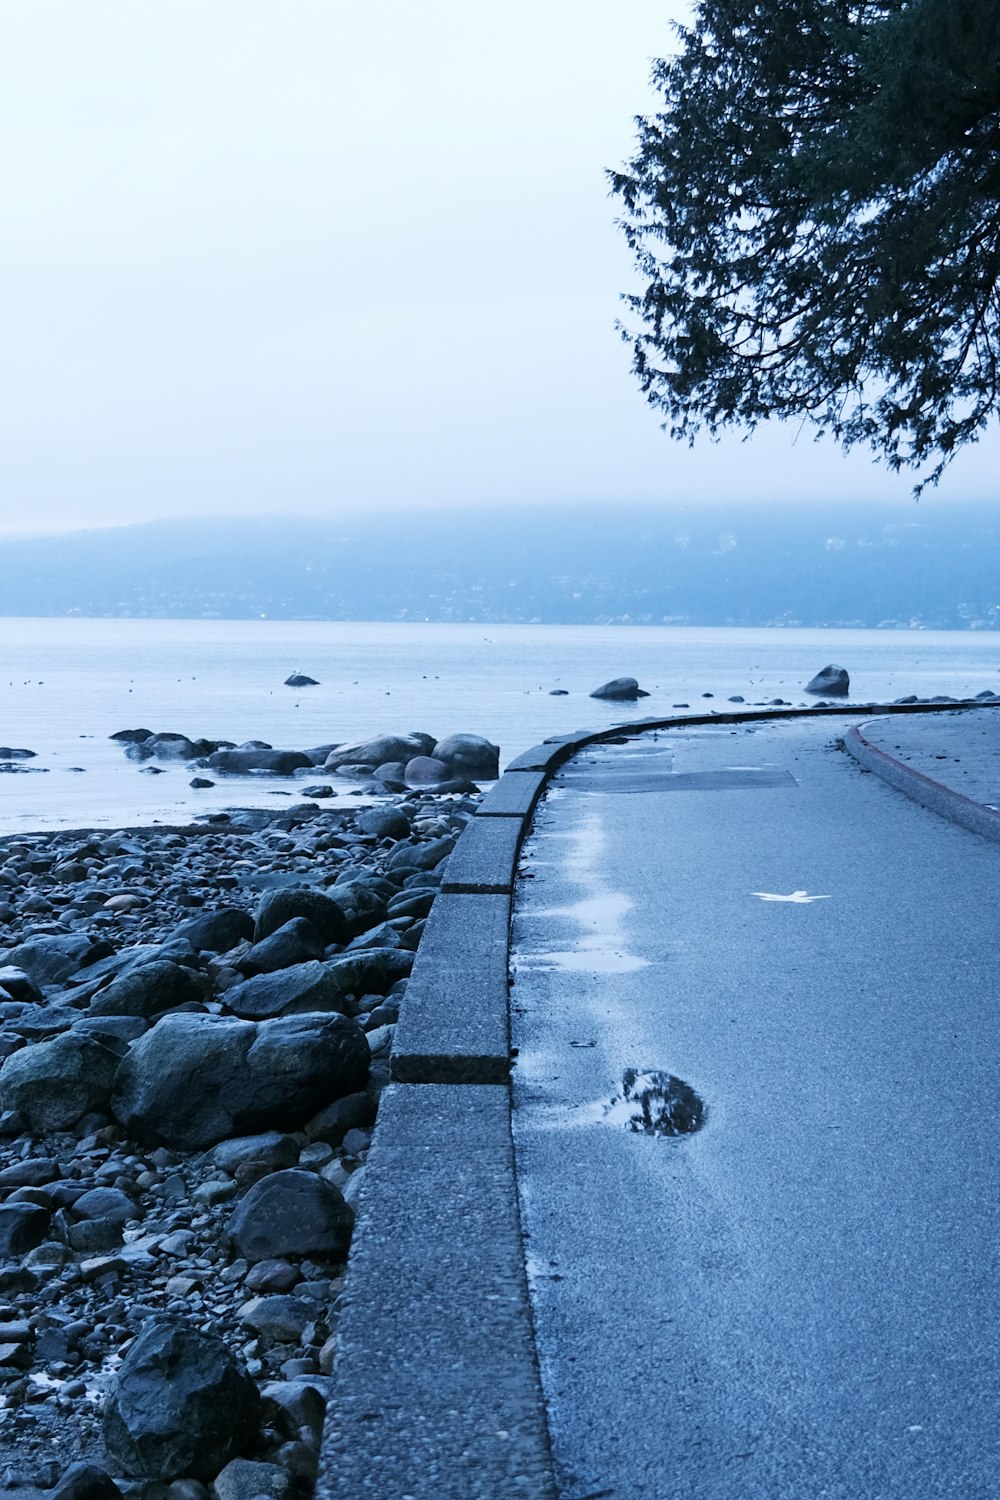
(384,823)
(246,1479)
(275,908)
(353,1111)
(376,752)
(106,1203)
(362,904)
(272,1276)
(23,1227)
(179,1404)
(170,747)
(272,1150)
(276,762)
(294,942)
(280,1317)
(131,736)
(291,1213)
(390,775)
(367,971)
(469,756)
(18,984)
(85,1481)
(620,689)
(194,1080)
(299,679)
(50,960)
(425,770)
(146,990)
(830,682)
(293,991)
(407,858)
(216,931)
(55,1083)
(116,1032)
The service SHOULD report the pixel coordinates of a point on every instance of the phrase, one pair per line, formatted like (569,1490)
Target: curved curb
(912,783)
(436,1392)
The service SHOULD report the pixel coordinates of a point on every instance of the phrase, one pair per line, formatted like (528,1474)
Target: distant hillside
(851,565)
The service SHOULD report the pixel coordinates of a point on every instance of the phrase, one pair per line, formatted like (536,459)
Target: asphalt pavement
(738,934)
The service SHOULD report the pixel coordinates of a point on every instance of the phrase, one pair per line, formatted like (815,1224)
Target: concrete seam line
(921,788)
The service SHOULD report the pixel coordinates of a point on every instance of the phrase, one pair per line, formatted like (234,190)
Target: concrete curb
(436,1393)
(436,1390)
(923,789)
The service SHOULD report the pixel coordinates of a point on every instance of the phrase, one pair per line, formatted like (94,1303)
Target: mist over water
(66,685)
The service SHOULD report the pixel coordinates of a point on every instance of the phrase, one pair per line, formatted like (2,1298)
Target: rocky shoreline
(195,1025)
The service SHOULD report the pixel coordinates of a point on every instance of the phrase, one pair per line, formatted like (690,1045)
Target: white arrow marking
(798,898)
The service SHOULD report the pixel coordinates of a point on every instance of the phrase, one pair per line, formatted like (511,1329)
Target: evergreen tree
(815,213)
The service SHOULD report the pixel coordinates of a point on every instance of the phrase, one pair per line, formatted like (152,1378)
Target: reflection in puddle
(593,927)
(656,1103)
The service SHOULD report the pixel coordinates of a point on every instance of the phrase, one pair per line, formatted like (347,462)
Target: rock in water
(277,762)
(831,682)
(299,679)
(620,689)
(179,1405)
(469,755)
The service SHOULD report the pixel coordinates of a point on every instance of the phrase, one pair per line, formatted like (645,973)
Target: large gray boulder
(55,1083)
(294,942)
(620,689)
(147,990)
(171,747)
(362,903)
(384,822)
(291,1213)
(426,770)
(275,908)
(51,959)
(180,1405)
(276,762)
(368,971)
(286,992)
(216,931)
(830,682)
(194,1080)
(418,854)
(376,752)
(23,1226)
(469,756)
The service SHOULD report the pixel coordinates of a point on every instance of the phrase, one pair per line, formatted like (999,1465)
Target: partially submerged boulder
(830,682)
(469,756)
(275,762)
(375,752)
(620,689)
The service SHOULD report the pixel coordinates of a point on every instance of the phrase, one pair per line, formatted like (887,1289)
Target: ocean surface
(67,684)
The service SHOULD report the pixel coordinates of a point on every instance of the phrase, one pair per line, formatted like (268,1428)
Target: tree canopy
(815,213)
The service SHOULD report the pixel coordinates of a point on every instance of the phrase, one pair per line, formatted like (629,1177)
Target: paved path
(799,1299)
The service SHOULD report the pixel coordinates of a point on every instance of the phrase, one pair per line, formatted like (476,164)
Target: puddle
(655,1103)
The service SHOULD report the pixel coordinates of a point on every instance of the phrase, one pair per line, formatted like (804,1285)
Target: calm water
(66,685)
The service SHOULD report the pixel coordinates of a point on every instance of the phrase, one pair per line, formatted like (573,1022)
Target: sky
(308,257)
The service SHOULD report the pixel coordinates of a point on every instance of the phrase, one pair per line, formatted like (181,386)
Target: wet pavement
(789,1291)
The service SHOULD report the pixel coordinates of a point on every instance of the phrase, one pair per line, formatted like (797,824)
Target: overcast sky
(304,256)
